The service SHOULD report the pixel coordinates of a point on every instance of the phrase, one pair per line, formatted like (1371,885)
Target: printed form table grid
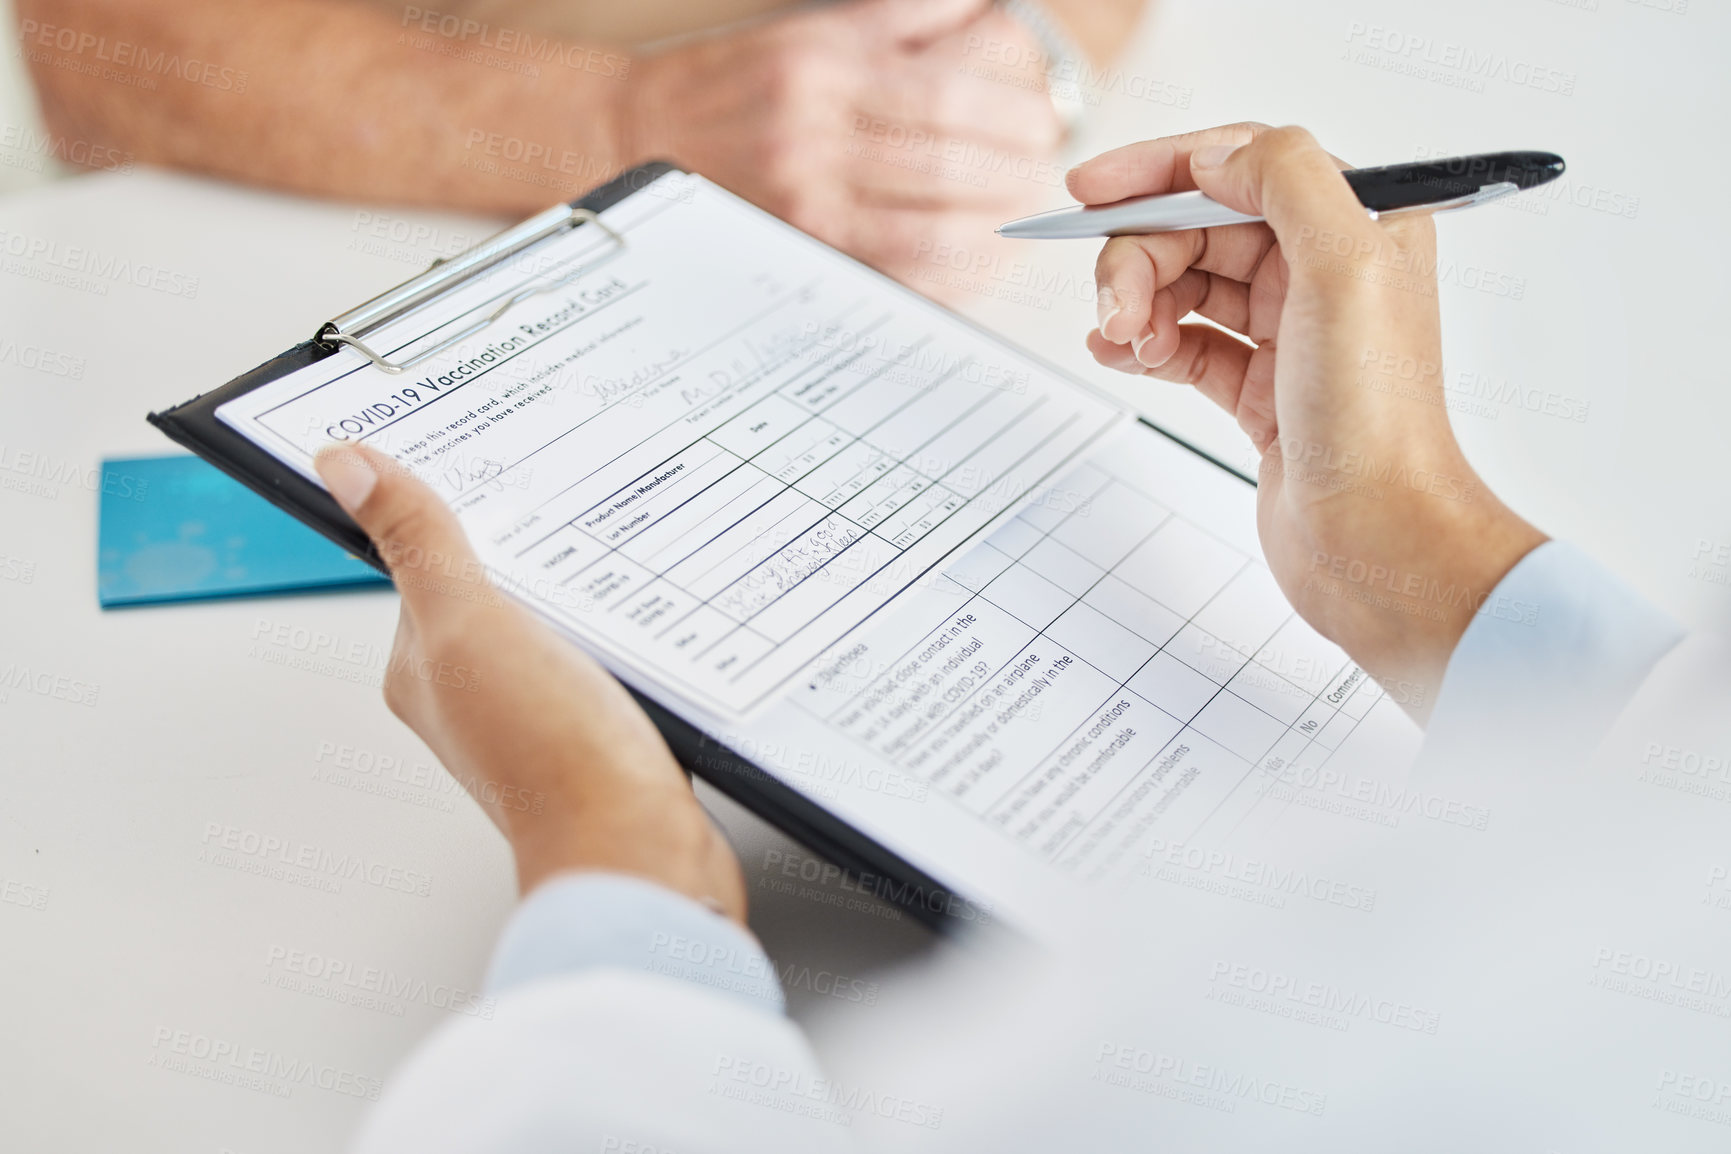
(745,535)
(1112,664)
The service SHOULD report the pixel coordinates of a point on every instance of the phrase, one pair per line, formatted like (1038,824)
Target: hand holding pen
(1326,347)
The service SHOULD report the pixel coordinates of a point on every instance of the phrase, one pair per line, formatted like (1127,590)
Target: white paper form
(710,455)
(759,480)
(1111,670)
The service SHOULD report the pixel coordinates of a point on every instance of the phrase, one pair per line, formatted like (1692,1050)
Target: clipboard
(196,426)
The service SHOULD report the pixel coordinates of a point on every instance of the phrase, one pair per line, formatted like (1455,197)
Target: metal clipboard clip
(444,275)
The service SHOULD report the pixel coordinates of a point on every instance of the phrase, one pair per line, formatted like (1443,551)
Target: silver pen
(1430,185)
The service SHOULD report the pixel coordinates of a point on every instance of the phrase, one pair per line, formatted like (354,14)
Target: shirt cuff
(598,920)
(1554,654)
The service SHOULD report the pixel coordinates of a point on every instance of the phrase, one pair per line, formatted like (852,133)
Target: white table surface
(108,806)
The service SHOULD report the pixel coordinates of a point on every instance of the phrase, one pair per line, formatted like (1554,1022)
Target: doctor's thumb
(416,533)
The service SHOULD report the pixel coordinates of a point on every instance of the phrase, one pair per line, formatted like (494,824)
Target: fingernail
(1140,343)
(1211,157)
(1106,306)
(347,475)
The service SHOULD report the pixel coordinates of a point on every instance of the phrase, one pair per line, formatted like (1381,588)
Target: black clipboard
(873,867)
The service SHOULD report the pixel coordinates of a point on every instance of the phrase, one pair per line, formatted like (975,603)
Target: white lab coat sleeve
(1550,659)
(622,1018)
(584,920)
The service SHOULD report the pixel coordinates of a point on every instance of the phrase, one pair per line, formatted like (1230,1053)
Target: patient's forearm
(329,97)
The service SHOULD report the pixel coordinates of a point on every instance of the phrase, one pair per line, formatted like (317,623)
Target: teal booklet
(177,529)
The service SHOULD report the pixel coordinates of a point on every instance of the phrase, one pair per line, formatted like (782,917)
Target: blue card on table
(177,529)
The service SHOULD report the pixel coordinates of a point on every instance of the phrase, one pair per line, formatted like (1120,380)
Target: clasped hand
(891,129)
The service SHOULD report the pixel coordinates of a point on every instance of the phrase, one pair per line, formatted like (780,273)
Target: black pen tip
(1531,169)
